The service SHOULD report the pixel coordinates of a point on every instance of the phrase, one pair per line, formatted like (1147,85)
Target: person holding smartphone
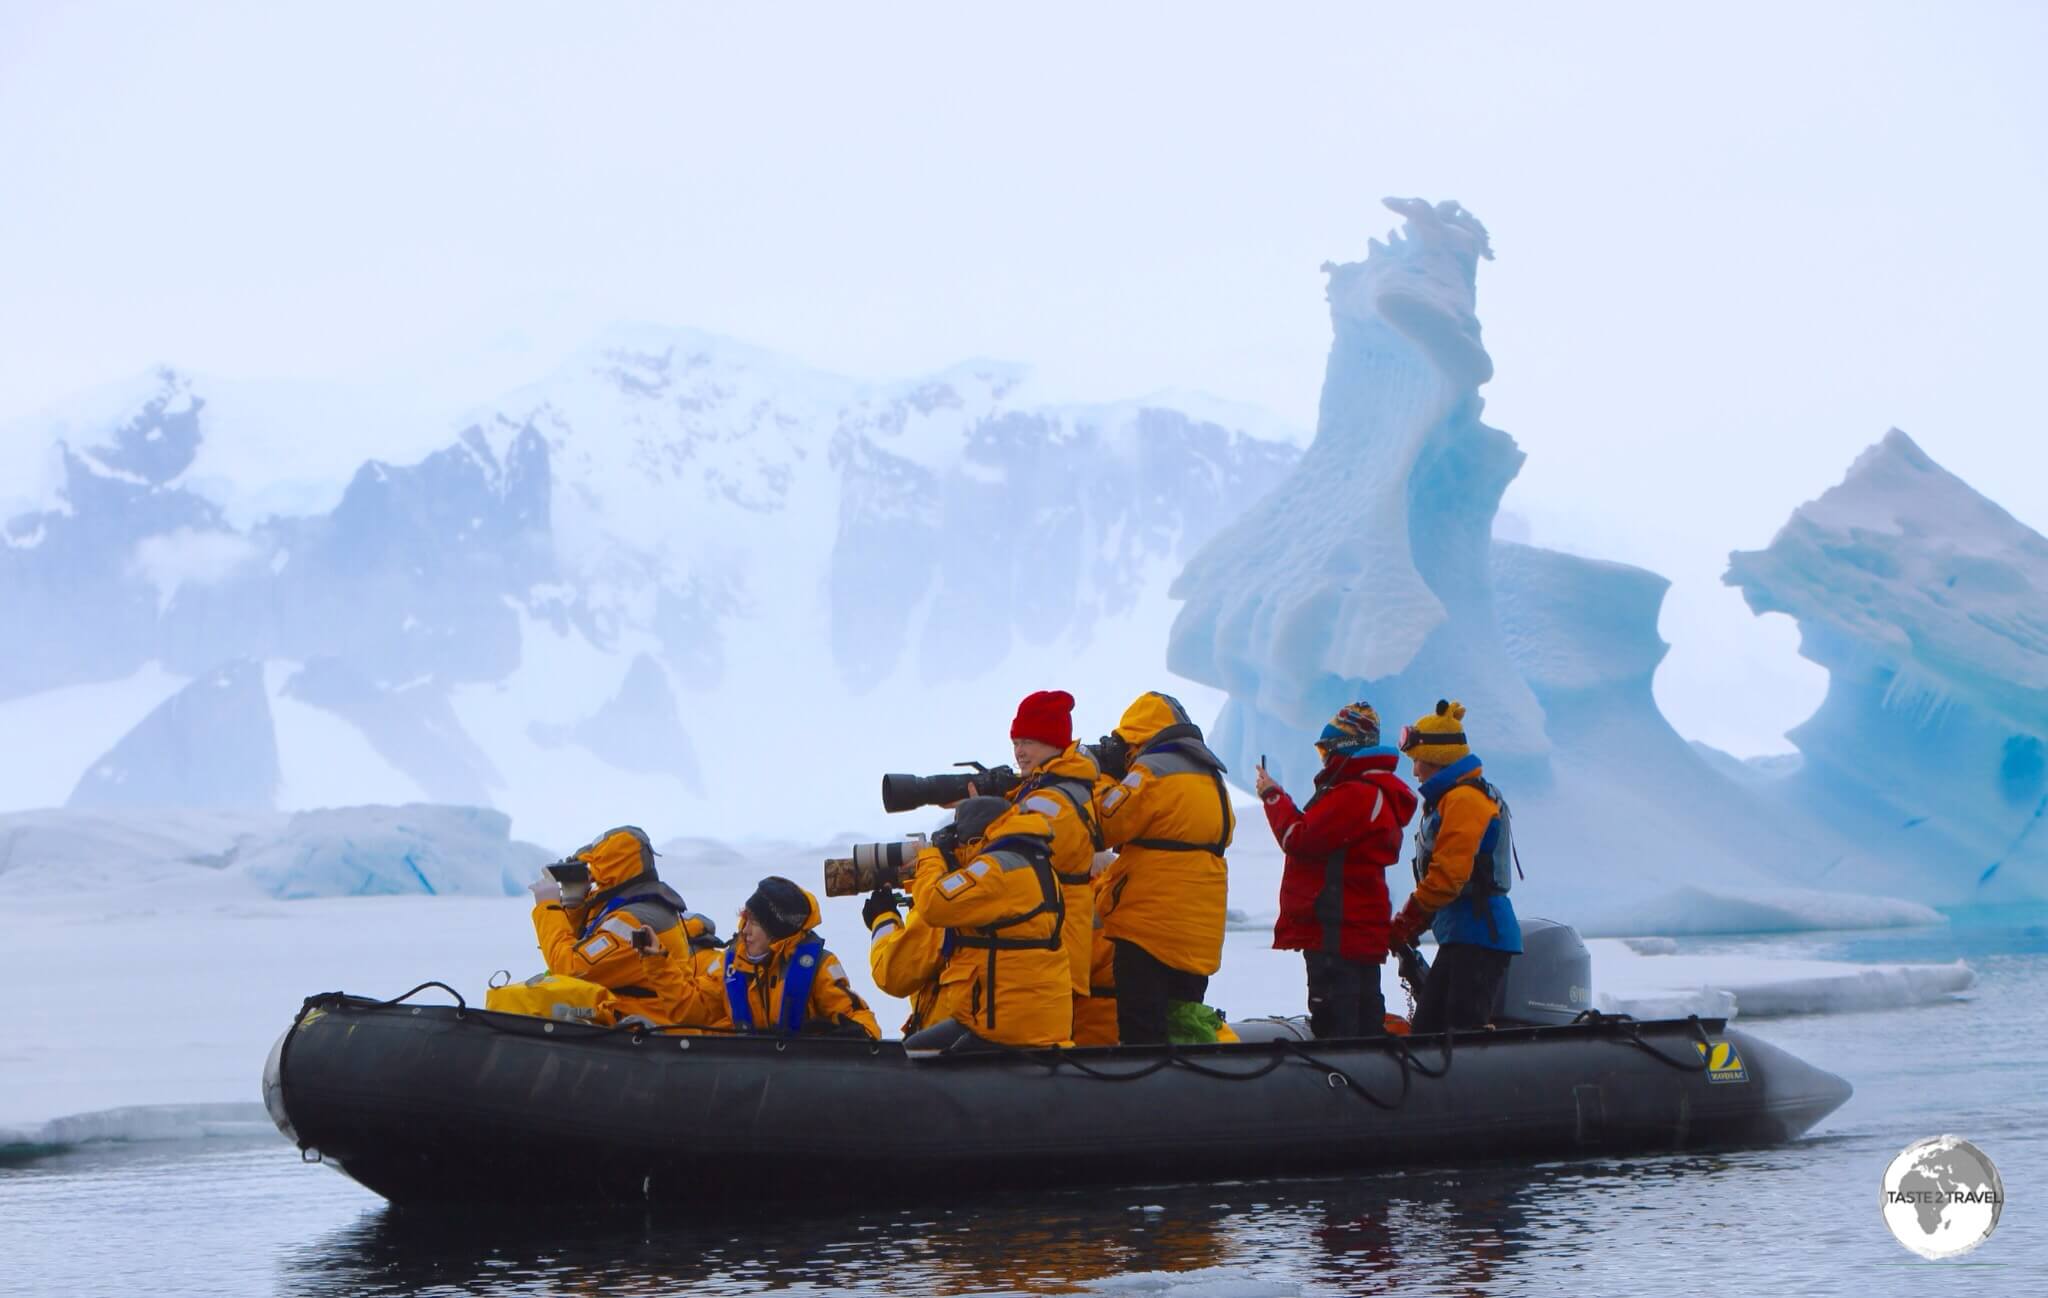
(1333,888)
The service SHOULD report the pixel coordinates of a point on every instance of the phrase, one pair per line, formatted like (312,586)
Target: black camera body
(909,792)
(1112,755)
(574,876)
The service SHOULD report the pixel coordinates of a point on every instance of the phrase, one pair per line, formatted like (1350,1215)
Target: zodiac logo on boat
(1942,1197)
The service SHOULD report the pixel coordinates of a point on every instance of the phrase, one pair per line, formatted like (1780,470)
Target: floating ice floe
(1627,980)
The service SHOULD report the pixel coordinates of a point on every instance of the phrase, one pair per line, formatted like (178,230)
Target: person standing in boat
(1162,803)
(1059,784)
(1333,888)
(1464,863)
(985,884)
(776,975)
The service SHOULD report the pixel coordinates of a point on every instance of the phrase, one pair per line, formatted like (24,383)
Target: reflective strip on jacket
(1172,820)
(1457,826)
(1006,976)
(1063,791)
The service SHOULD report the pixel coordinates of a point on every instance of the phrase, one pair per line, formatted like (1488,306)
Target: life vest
(1493,864)
(620,902)
(796,988)
(1027,852)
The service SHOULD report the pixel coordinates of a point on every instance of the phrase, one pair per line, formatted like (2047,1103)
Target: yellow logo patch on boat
(1724,1062)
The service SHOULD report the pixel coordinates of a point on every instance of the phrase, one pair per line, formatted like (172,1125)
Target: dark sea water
(244,1216)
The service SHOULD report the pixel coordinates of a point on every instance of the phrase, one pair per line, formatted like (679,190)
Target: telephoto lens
(909,792)
(870,866)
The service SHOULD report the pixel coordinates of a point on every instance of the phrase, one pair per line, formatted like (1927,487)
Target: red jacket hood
(1377,767)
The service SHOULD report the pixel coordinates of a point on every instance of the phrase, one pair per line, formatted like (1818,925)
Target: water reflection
(1465,1231)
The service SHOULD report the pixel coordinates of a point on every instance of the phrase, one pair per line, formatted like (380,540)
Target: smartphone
(1262,761)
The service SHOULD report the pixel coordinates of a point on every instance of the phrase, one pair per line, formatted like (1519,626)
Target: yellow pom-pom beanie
(1438,738)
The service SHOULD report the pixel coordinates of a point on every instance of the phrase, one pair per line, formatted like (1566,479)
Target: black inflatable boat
(445,1103)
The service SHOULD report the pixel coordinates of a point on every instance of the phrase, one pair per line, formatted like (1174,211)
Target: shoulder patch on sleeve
(953,883)
(597,947)
(1111,799)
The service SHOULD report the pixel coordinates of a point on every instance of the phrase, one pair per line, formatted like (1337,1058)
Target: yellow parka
(1063,791)
(1006,977)
(1170,818)
(905,957)
(833,1002)
(594,941)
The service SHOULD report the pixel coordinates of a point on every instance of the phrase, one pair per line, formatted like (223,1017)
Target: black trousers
(1143,987)
(1463,988)
(1344,997)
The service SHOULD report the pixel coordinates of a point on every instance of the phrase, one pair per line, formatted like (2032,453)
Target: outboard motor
(1551,981)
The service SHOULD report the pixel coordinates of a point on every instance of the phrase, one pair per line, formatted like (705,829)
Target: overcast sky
(1736,243)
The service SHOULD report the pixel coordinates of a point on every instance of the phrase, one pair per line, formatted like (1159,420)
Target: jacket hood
(699,930)
(618,856)
(1014,823)
(1149,714)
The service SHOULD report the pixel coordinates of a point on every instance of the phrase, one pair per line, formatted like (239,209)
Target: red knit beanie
(1047,716)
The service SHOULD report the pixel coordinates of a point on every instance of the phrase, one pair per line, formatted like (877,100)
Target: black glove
(880,902)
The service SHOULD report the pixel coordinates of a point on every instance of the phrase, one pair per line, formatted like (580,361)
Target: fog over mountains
(635,590)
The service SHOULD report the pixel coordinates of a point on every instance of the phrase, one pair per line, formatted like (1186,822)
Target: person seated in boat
(776,975)
(1059,784)
(905,956)
(1333,887)
(999,973)
(1464,863)
(622,929)
(1162,803)
(700,935)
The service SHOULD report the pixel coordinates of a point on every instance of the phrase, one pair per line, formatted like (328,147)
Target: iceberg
(421,850)
(1928,605)
(385,851)
(1372,572)
(1365,573)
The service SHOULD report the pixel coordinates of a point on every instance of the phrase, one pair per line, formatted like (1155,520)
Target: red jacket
(1333,891)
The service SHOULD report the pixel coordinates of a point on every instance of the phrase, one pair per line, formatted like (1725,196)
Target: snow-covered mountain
(680,581)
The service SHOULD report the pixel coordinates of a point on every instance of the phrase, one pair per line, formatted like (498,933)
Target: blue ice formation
(1371,573)
(393,851)
(1365,573)
(1928,605)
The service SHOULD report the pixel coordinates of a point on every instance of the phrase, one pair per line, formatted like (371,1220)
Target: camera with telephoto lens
(909,792)
(872,866)
(574,876)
